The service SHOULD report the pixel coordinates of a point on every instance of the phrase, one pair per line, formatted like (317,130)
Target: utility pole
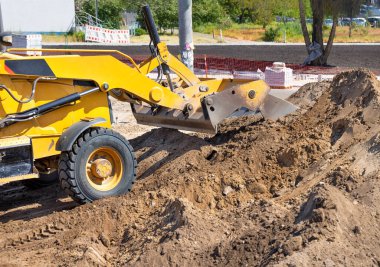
(96,12)
(186,44)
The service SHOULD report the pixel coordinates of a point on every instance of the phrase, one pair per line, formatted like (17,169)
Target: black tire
(46,179)
(73,173)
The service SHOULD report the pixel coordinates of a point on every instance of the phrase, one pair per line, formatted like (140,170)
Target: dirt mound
(308,94)
(302,190)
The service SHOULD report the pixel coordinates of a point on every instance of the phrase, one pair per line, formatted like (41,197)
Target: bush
(277,31)
(326,28)
(205,28)
(140,31)
(79,36)
(207,11)
(225,23)
(271,34)
(293,29)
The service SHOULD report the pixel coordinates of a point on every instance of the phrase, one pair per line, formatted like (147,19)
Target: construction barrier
(107,36)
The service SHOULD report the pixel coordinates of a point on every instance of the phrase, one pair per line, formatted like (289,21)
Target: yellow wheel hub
(101,168)
(104,169)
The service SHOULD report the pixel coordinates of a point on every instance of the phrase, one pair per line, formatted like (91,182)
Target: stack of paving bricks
(30,41)
(279,76)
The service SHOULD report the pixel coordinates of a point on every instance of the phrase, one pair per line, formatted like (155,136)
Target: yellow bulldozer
(56,116)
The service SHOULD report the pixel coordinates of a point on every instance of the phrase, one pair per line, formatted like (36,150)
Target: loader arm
(184,103)
(184,108)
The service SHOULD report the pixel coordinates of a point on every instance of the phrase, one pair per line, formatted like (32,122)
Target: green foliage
(260,11)
(207,11)
(232,8)
(326,28)
(140,31)
(206,28)
(271,34)
(292,29)
(166,15)
(109,11)
(286,9)
(79,36)
(277,31)
(225,23)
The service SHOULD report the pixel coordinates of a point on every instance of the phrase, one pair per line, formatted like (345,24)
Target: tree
(321,9)
(264,11)
(232,8)
(351,9)
(110,11)
(166,15)
(286,9)
(165,12)
(79,4)
(207,11)
(239,10)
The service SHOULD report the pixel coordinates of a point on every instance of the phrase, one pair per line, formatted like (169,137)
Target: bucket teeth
(175,119)
(214,108)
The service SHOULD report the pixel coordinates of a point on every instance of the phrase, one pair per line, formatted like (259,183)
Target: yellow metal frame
(75,51)
(45,131)
(18,178)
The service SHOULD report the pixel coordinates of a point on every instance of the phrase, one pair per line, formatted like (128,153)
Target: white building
(37,16)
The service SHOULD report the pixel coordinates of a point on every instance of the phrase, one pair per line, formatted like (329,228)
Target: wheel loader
(56,116)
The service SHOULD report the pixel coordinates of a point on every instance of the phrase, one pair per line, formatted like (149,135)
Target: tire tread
(68,158)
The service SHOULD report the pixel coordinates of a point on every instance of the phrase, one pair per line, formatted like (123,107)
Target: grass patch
(207,28)
(276,32)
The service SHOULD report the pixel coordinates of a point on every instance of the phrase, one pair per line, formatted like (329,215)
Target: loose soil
(300,191)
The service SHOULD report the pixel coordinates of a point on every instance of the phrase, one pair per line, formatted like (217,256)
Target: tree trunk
(241,17)
(250,14)
(318,16)
(317,36)
(305,31)
(350,30)
(330,42)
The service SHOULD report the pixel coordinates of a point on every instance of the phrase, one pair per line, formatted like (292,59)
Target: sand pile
(303,190)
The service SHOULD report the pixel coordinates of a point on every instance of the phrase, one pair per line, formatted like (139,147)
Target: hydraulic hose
(45,108)
(30,98)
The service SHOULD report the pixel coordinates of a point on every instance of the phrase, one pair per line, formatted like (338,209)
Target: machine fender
(68,138)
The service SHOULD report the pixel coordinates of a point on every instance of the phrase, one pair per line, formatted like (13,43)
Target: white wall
(36,16)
